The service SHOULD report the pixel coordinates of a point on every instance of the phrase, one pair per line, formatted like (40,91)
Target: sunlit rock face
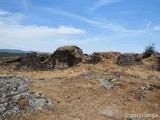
(67,56)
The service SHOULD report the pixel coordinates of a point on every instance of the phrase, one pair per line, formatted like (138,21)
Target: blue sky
(93,25)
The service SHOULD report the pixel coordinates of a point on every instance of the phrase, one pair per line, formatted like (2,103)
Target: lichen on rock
(15,97)
(129,59)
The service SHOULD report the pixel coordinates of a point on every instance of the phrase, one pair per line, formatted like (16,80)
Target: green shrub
(149,50)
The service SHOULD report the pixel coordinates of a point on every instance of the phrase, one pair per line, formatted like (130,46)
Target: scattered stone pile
(129,59)
(15,97)
(67,56)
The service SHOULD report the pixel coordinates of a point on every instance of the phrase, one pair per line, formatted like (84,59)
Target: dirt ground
(78,95)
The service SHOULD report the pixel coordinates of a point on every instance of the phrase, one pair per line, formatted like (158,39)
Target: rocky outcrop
(129,59)
(30,61)
(63,57)
(94,59)
(15,97)
(98,57)
(66,56)
(108,55)
(34,61)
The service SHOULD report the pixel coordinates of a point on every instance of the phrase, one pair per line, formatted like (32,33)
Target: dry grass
(80,98)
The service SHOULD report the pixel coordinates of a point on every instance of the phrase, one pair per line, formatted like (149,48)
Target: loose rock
(105,83)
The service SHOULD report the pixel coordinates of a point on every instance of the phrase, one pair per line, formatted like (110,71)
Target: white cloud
(15,35)
(11,24)
(103,25)
(103,2)
(67,30)
(2,12)
(9,18)
(22,31)
(44,38)
(156,28)
(68,14)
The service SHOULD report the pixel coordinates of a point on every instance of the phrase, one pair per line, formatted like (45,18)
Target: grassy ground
(77,97)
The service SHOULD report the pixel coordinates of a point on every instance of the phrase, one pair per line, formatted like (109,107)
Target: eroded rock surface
(67,56)
(34,61)
(94,59)
(30,61)
(107,55)
(15,97)
(129,59)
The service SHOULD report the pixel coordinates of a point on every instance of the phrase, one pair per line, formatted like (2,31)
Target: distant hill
(15,51)
(11,54)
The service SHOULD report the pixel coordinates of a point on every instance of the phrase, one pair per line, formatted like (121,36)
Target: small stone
(141,97)
(105,83)
(142,87)
(113,80)
(129,99)
(23,102)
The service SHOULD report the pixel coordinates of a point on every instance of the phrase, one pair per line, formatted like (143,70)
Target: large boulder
(66,56)
(30,61)
(129,59)
(15,97)
(34,61)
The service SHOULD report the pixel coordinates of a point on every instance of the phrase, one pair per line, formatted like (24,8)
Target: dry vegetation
(78,97)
